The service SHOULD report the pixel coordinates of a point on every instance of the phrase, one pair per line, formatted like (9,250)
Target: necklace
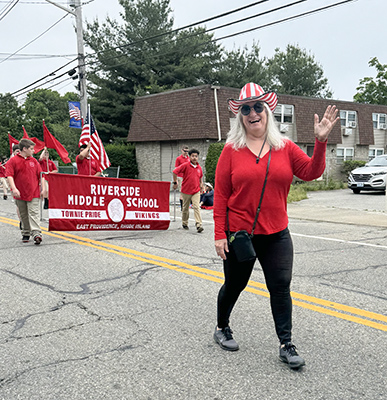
(260,151)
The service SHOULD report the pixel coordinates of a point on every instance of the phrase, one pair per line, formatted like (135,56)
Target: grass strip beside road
(322,306)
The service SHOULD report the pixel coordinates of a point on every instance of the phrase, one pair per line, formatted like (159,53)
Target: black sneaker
(5,197)
(185,227)
(200,229)
(38,239)
(225,340)
(289,355)
(25,239)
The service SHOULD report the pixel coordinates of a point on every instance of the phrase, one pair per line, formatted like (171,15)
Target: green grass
(299,191)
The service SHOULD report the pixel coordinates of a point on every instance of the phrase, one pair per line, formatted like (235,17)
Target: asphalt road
(130,315)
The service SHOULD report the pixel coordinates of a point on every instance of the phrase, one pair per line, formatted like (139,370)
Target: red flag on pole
(39,145)
(53,143)
(12,142)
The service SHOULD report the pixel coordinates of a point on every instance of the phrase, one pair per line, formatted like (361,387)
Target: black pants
(275,254)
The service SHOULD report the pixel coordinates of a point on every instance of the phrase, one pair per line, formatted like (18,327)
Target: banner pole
(174,205)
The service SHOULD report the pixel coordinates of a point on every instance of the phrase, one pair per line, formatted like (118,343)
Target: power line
(156,36)
(33,40)
(201,44)
(44,77)
(8,9)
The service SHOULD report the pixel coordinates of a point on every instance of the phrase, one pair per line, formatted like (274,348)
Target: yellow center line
(216,276)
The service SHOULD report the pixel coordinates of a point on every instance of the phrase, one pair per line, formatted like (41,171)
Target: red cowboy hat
(252,91)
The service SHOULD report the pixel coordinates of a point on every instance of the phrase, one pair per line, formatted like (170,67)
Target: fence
(111,172)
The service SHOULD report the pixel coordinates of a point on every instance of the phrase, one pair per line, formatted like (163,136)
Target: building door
(169,152)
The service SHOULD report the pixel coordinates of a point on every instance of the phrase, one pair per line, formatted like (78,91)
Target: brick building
(162,123)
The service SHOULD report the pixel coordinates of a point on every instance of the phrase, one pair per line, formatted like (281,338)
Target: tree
(373,90)
(142,55)
(241,66)
(11,117)
(296,72)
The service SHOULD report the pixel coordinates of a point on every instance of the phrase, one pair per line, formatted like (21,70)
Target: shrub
(212,158)
(124,156)
(349,165)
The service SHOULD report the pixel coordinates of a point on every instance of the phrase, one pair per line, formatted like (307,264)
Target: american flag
(97,151)
(74,111)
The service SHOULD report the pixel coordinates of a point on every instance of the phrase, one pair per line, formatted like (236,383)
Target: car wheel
(356,191)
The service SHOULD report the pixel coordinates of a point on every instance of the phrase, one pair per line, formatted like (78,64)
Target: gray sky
(342,39)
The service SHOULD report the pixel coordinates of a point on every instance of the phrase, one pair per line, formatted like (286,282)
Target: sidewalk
(335,206)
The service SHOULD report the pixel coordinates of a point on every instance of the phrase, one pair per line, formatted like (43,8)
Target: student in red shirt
(255,149)
(24,178)
(3,179)
(85,164)
(183,158)
(190,189)
(48,167)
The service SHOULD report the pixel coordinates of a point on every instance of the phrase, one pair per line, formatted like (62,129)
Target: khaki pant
(29,216)
(187,198)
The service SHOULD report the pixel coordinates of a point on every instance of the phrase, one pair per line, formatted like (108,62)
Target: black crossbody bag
(240,241)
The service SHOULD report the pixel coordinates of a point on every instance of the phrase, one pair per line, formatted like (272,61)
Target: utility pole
(77,12)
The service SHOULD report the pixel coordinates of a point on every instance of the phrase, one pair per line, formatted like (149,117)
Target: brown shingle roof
(190,114)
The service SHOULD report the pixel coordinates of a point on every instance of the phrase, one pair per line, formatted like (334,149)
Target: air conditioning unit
(284,128)
(352,124)
(347,132)
(382,126)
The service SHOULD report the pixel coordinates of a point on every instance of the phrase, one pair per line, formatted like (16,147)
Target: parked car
(370,177)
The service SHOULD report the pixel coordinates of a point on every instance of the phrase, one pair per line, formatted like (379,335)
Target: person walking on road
(191,187)
(181,159)
(3,179)
(27,184)
(48,166)
(256,167)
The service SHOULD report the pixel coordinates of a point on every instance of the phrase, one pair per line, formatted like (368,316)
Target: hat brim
(270,98)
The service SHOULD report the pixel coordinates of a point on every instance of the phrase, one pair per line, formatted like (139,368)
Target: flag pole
(88,111)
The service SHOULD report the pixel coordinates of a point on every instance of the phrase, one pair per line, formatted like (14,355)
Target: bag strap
(263,191)
(260,200)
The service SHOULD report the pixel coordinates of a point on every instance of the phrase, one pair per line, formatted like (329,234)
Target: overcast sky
(342,39)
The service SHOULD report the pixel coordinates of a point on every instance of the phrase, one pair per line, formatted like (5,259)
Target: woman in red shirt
(256,151)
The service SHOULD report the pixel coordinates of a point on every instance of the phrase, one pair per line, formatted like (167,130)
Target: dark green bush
(349,165)
(124,156)
(212,158)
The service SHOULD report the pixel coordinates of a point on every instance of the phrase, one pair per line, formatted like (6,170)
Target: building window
(344,154)
(309,150)
(284,113)
(372,153)
(348,119)
(379,121)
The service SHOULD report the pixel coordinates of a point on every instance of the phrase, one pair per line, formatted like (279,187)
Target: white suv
(370,177)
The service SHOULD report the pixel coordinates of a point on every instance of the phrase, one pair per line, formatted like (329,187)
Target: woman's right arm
(223,189)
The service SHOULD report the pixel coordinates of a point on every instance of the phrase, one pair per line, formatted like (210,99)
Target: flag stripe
(97,151)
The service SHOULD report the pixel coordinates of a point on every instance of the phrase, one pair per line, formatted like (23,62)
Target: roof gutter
(217,112)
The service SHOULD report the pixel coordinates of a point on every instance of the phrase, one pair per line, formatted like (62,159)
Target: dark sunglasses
(258,108)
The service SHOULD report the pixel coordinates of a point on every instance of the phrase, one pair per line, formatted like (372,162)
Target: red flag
(53,143)
(39,145)
(12,142)
(97,151)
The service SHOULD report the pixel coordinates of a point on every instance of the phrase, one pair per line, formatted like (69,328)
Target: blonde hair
(237,134)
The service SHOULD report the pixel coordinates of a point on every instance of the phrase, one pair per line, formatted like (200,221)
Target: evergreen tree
(142,55)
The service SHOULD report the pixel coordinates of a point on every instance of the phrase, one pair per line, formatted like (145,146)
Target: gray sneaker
(289,355)
(225,340)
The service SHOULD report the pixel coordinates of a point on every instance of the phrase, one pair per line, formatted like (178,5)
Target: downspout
(217,112)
